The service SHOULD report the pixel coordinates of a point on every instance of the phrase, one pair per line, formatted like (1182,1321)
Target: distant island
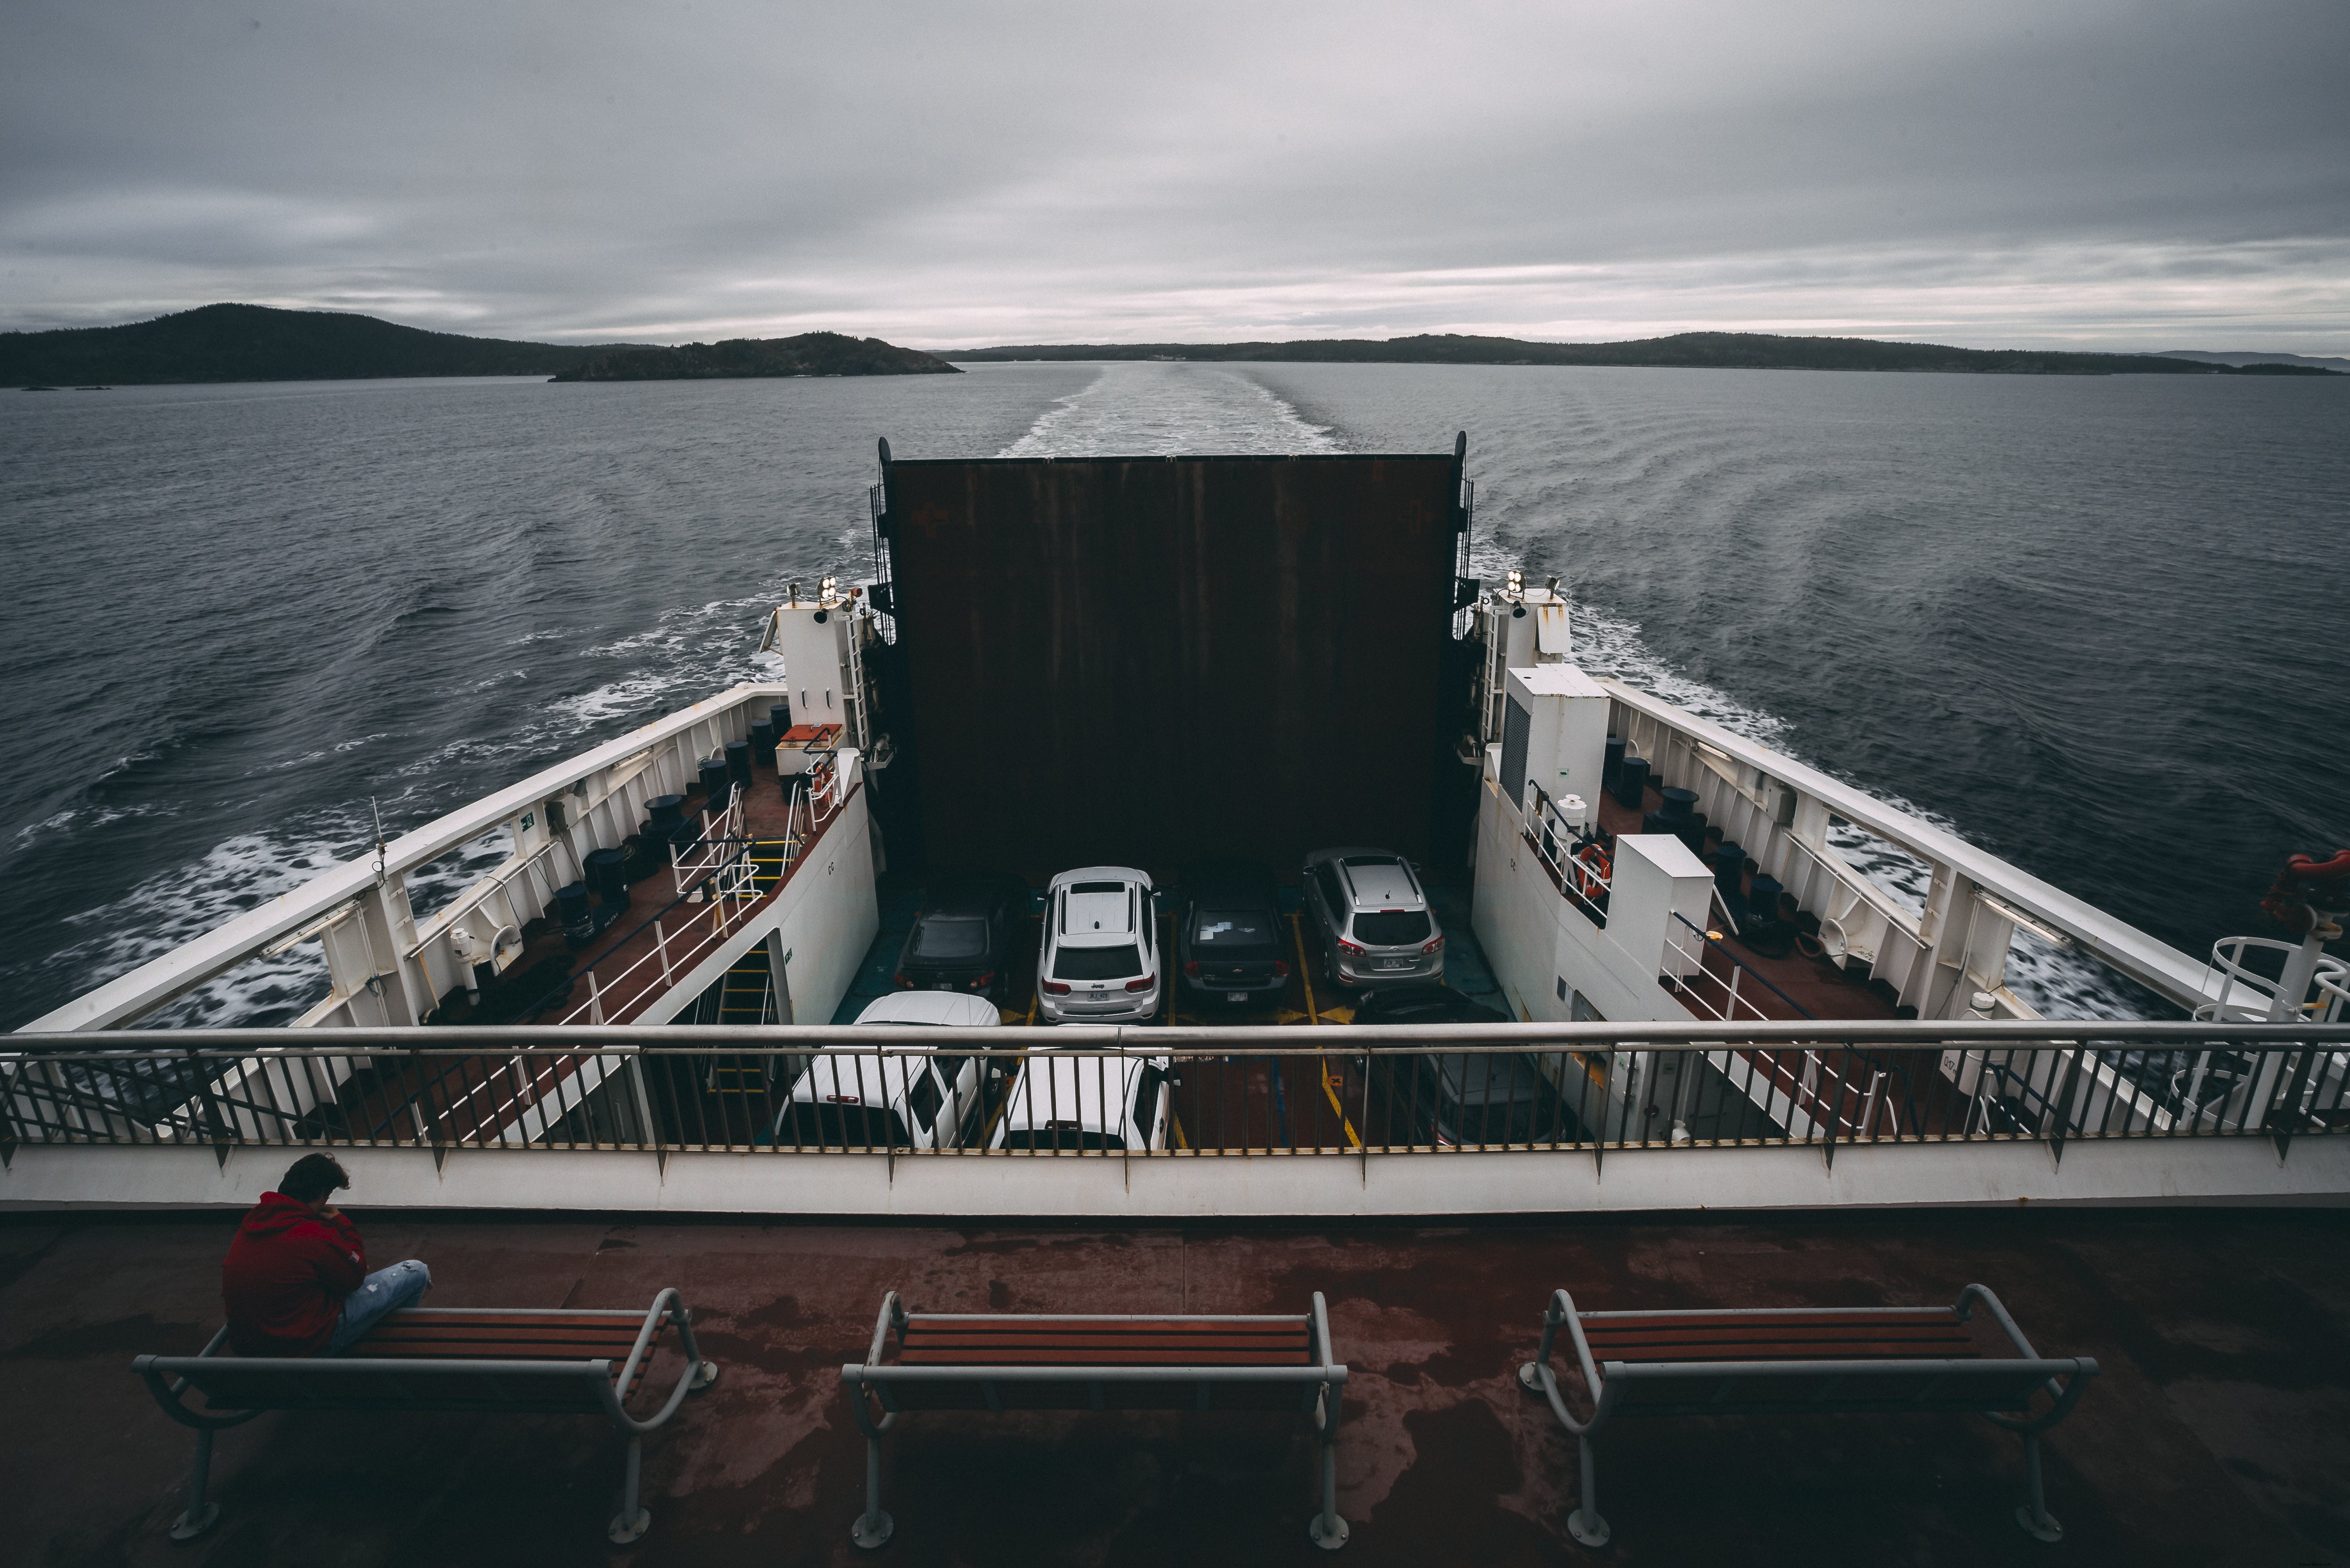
(259,343)
(809,354)
(1692,350)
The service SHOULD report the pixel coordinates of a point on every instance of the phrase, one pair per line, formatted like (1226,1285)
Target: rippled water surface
(2091,624)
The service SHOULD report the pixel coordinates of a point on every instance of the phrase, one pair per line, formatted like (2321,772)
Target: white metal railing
(2248,996)
(729,897)
(533,870)
(1782,814)
(708,854)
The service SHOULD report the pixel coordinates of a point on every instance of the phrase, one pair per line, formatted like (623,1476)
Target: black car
(1451,1098)
(967,936)
(1231,942)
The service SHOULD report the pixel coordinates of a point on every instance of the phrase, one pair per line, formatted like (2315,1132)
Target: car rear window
(1097,964)
(1060,1138)
(839,1126)
(1232,929)
(949,938)
(1392,928)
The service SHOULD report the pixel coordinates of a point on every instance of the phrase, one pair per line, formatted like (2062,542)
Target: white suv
(1068,1100)
(1100,960)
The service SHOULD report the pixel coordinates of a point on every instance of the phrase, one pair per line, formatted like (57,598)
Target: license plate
(1395,964)
(947,985)
(1236,996)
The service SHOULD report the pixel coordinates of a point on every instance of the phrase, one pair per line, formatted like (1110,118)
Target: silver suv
(1371,919)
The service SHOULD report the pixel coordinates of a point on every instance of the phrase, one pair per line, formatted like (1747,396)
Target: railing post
(660,942)
(595,1000)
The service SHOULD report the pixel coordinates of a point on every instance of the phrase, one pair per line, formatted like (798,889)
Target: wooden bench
(442,1358)
(1774,1361)
(953,1361)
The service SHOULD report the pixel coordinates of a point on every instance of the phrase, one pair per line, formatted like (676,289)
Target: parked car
(966,935)
(1228,940)
(900,1102)
(1425,1004)
(1451,1098)
(1099,960)
(1370,918)
(1064,1100)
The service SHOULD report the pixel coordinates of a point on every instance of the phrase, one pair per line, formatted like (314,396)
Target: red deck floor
(2220,1432)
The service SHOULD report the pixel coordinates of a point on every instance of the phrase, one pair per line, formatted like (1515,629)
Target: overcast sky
(2098,174)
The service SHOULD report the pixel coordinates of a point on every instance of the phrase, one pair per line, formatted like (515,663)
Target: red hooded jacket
(285,1277)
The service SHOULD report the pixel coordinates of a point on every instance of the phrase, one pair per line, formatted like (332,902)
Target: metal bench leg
(1328,1530)
(705,1373)
(1584,1523)
(873,1527)
(633,1519)
(2033,1516)
(202,1511)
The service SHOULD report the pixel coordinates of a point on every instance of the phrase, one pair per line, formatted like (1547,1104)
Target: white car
(1101,958)
(894,1101)
(1065,1100)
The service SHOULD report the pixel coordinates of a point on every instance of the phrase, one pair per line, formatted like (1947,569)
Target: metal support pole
(873,1527)
(202,1511)
(633,1519)
(2033,1516)
(1328,1530)
(1584,1523)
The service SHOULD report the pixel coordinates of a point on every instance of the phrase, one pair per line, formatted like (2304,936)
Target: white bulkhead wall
(812,639)
(1566,731)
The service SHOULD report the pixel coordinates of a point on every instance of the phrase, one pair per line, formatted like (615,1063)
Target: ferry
(1530,951)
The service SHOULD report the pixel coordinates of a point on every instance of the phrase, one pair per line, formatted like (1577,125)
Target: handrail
(1741,963)
(557,993)
(2298,1085)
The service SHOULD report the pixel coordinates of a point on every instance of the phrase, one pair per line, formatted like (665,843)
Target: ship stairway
(745,997)
(769,857)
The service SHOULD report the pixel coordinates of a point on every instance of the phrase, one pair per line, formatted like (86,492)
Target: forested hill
(259,343)
(809,354)
(1716,351)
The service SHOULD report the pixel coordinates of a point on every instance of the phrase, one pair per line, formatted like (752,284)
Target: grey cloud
(949,174)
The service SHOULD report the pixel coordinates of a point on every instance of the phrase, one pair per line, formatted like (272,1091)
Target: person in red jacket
(295,1281)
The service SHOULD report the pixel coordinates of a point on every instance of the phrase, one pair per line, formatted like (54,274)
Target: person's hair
(312,1176)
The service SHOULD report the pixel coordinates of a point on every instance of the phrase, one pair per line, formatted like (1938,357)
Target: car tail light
(1145,983)
(900,977)
(1350,949)
(984,981)
(1192,969)
(1057,987)
(1281,968)
(1434,945)
(842,1100)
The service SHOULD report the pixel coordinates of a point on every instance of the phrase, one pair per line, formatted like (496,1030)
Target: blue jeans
(385,1291)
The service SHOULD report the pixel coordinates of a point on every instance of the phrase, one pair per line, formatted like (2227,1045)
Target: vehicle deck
(1239,1103)
(2219,1432)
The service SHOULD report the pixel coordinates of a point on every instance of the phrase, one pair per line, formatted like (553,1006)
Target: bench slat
(920,1325)
(1961,1343)
(1168,1341)
(1596,1323)
(1858,1354)
(1096,1355)
(553,1343)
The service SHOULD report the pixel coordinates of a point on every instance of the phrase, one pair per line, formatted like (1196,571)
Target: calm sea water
(2091,624)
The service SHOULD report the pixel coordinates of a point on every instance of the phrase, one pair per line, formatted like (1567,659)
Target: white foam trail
(1149,408)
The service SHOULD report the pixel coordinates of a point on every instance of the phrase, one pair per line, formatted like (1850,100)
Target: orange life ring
(1591,870)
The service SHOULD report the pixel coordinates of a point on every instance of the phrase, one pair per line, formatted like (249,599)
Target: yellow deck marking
(1297,935)
(1177,1123)
(1297,932)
